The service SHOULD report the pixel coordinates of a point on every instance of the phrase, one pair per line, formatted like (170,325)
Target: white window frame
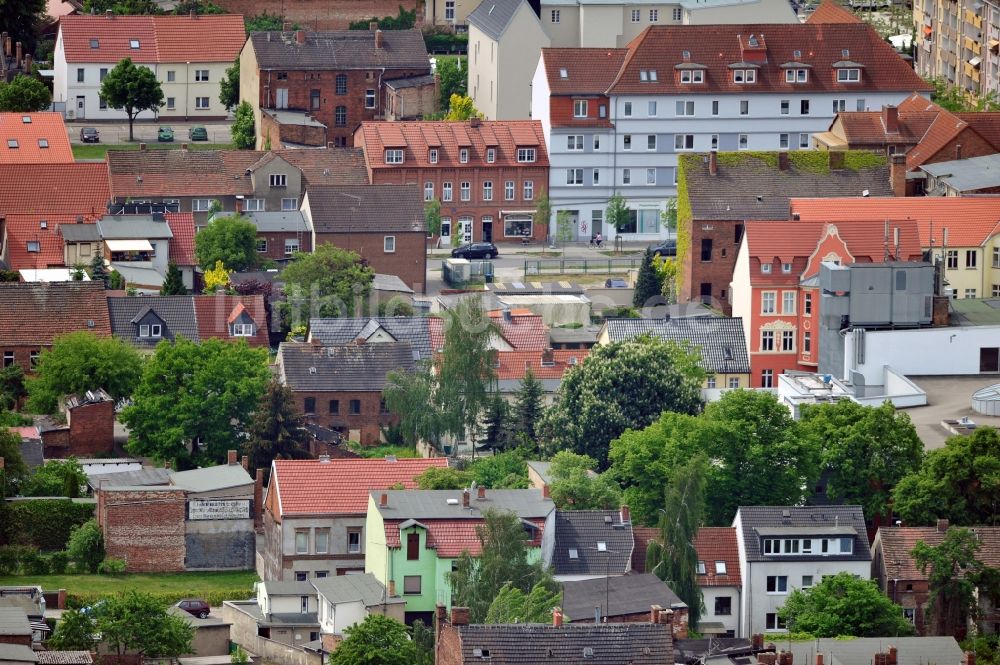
(289,204)
(554,16)
(684,108)
(526,155)
(650,176)
(651,142)
(574,177)
(201,75)
(429,190)
(389,244)
(278,180)
(370,98)
(651,109)
(243,330)
(768,301)
(491,155)
(253,205)
(636,15)
(788,299)
(627,109)
(487,190)
(528,190)
(626,176)
(465,190)
(446,191)
(848,75)
(683,142)
(291,246)
(654,15)
(580,108)
(201,205)
(509,187)
(432,156)
(463,155)
(574,142)
(394,155)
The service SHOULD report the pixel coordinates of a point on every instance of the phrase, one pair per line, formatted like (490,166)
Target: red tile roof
(971,222)
(54,189)
(22,229)
(451,537)
(986,124)
(35,313)
(868,127)
(525,331)
(718,543)
(830,11)
(588,70)
(514,364)
(180,172)
(898,542)
(340,486)
(215,312)
(789,241)
(167,39)
(819,45)
(447,137)
(182,243)
(43,129)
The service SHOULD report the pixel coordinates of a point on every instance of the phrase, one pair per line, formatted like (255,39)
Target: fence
(580,266)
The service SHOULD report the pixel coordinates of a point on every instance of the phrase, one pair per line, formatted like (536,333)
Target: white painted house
(345,600)
(616,119)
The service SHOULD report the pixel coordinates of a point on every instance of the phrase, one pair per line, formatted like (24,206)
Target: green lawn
(180,585)
(98,150)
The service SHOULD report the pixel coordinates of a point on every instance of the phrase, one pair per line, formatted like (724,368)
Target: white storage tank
(987,400)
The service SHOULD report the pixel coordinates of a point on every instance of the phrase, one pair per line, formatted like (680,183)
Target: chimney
(548,357)
(379,39)
(665,617)
(893,654)
(557,617)
(958,149)
(481,492)
(258,499)
(372,26)
(969,658)
(897,174)
(546,492)
(383,500)
(392,588)
(890,118)
(942,525)
(713,163)
(245,461)
(782,161)
(785,658)
(232,457)
(465,498)
(654,613)
(473,122)
(20,52)
(626,515)
(880,659)
(142,146)
(109,14)
(184,147)
(836,160)
(300,36)
(819,659)
(460,616)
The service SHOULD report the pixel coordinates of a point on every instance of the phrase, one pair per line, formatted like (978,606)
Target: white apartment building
(615,120)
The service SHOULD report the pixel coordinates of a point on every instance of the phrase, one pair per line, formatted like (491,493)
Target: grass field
(183,584)
(98,150)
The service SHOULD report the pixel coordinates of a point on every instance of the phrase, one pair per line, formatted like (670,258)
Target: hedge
(213,598)
(43,523)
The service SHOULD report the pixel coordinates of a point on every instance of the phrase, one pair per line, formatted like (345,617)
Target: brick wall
(23,640)
(366,423)
(22,355)
(309,135)
(408,262)
(718,271)
(276,243)
(91,429)
(967,144)
(561,111)
(412,103)
(447,643)
(145,528)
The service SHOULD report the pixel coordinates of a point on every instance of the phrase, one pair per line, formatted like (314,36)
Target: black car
(90,135)
(475,250)
(665,248)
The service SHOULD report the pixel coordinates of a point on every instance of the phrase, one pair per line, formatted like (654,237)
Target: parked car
(475,250)
(198,134)
(164,135)
(665,248)
(615,283)
(90,135)
(195,607)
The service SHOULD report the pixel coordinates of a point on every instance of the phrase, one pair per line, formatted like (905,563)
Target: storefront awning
(517,212)
(129,246)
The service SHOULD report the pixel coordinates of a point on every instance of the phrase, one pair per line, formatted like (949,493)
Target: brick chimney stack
(245,461)
(713,163)
(897,174)
(969,658)
(379,39)
(465,498)
(942,525)
(300,36)
(654,613)
(481,492)
(546,491)
(893,655)
(232,458)
(20,52)
(557,617)
(460,616)
(819,659)
(626,515)
(890,118)
(782,161)
(383,500)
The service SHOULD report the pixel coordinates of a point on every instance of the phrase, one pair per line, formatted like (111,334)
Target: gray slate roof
(410,82)
(80,232)
(17,653)
(581,530)
(721,340)
(14,621)
(132,226)
(861,651)
(353,588)
(493,16)
(337,332)
(351,368)
(803,521)
(626,594)
(433,504)
(732,193)
(346,49)
(292,588)
(381,208)
(967,175)
(532,643)
(291,221)
(222,476)
(383,282)
(177,313)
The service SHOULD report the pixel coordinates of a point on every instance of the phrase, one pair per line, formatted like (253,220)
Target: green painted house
(413,537)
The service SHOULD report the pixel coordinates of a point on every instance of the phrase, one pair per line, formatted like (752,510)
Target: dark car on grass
(475,250)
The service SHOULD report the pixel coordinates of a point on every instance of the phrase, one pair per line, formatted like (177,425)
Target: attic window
(753,42)
(151,331)
(796,75)
(797,54)
(12,143)
(481,653)
(563,74)
(720,567)
(846,53)
(686,55)
(727,353)
(133,43)
(602,546)
(26,119)
(33,246)
(851,75)
(43,143)
(573,554)
(647,75)
(95,43)
(744,76)
(701,568)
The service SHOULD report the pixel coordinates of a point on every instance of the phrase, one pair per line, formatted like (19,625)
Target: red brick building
(89,430)
(487,175)
(144,527)
(303,80)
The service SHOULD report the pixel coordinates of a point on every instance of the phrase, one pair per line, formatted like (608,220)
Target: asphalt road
(114,133)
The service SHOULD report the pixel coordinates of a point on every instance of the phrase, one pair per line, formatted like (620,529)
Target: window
(95,43)
(777,584)
(574,176)
(411,585)
(133,43)
(970,293)
(701,568)
(529,190)
(389,244)
(79,75)
(393,156)
(715,142)
(354,541)
(767,378)
(723,606)
(428,190)
(787,297)
(626,176)
(34,355)
(734,382)
(340,116)
(706,249)
(369,98)
(103,74)
(525,155)
(412,546)
(465,190)
(744,141)
(787,340)
(803,140)
(783,141)
(767,340)
(804,107)
(574,142)
(278,180)
(654,15)
(684,108)
(786,268)
(151,330)
(773,622)
(291,246)
(340,84)
(201,75)
(171,103)
(807,581)
(744,75)
(355,407)
(767,301)
(784,107)
(449,10)
(289,204)
(302,542)
(322,541)
(597,142)
(8,358)
(201,103)
(861,104)
(627,142)
(253,205)
(744,107)
(971,256)
(314,99)
(301,576)
(676,13)
(765,268)
(951,259)
(651,109)
(243,330)
(996,257)
(491,155)
(839,105)
(579,108)
(310,405)
(796,75)
(720,567)
(508,190)
(201,205)
(807,342)
(692,76)
(848,75)
(487,190)
(636,15)
(43,143)
(684,142)
(333,407)
(715,107)
(807,304)
(554,16)
(446,191)
(627,109)
(463,155)
(651,142)
(650,176)
(710,383)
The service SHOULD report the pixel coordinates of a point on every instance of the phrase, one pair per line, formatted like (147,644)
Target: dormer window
(432,156)
(150,331)
(463,156)
(848,75)
(242,330)
(525,155)
(796,75)
(692,76)
(491,155)
(765,268)
(393,156)
(744,76)
(133,43)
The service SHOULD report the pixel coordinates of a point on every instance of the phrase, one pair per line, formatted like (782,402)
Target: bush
(443,41)
(14,557)
(86,546)
(32,563)
(165,598)
(45,523)
(111,566)
(58,563)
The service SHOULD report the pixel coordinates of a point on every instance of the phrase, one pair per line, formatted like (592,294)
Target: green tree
(956,99)
(403,20)
(498,432)
(617,213)
(506,470)
(865,451)
(56,478)
(620,386)
(82,361)
(14,469)
(74,631)
(78,272)
(191,393)
(243,129)
(134,622)
(21,19)
(454,74)
(122,7)
(647,284)
(674,559)
(960,482)
(132,88)
(229,88)
(173,283)
(565,228)
(515,606)
(448,478)
(432,217)
(476,581)
(378,640)
(230,239)
(461,108)
(276,429)
(411,395)
(528,407)
(12,389)
(265,22)
(329,282)
(25,94)
(844,604)
(543,211)
(576,486)
(99,271)
(86,546)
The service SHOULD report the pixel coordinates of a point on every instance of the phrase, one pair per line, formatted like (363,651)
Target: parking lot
(117,132)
